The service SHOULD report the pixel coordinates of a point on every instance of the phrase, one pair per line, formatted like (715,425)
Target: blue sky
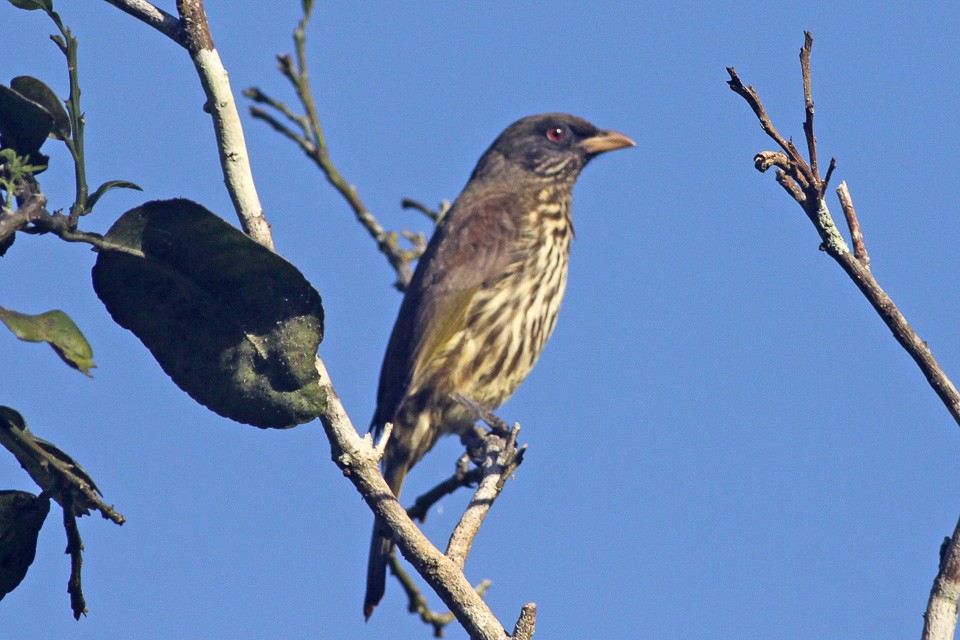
(725,441)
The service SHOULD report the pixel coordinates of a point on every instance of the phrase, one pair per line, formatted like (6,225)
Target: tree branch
(500,459)
(806,187)
(358,459)
(846,203)
(157,18)
(75,550)
(312,141)
(56,473)
(940,618)
(193,34)
(808,194)
(418,604)
(461,478)
(357,456)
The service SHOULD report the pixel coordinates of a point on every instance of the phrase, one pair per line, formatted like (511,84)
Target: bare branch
(410,203)
(417,603)
(260,97)
(816,209)
(940,618)
(421,506)
(357,458)
(750,95)
(501,459)
(192,32)
(314,144)
(523,630)
(279,127)
(31,209)
(846,203)
(808,101)
(826,179)
(56,473)
(234,160)
(75,550)
(157,18)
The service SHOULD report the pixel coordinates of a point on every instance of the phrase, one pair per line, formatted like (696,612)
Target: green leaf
(107,186)
(33,5)
(24,124)
(21,517)
(55,328)
(33,89)
(232,323)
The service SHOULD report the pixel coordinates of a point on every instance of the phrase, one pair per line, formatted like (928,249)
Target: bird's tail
(381,546)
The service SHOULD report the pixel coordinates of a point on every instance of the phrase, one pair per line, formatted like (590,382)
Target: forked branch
(306,132)
(801,179)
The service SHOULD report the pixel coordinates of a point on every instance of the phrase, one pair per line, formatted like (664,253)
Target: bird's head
(550,147)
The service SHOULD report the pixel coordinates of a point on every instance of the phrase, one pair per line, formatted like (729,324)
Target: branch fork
(801,179)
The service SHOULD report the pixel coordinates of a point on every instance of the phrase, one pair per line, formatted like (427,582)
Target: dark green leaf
(33,89)
(55,328)
(11,419)
(232,323)
(6,243)
(21,517)
(24,124)
(107,186)
(33,5)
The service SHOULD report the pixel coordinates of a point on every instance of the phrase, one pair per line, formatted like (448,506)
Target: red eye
(557,134)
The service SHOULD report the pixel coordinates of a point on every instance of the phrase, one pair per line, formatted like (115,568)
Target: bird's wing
(473,246)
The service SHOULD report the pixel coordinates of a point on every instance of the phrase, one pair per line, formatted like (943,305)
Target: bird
(483,299)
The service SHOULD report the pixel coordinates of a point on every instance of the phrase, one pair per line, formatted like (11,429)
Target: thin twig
(941,616)
(279,127)
(750,95)
(313,143)
(815,207)
(417,603)
(501,457)
(846,203)
(75,550)
(259,96)
(410,203)
(808,101)
(421,506)
(56,473)
(826,178)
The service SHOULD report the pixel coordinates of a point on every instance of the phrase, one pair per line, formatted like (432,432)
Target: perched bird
(484,297)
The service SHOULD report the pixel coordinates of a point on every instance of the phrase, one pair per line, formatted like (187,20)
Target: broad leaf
(55,328)
(24,124)
(21,517)
(232,323)
(33,89)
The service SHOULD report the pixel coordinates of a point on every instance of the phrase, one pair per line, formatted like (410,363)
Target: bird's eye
(557,134)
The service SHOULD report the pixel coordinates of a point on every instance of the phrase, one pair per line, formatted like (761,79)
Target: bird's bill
(606,141)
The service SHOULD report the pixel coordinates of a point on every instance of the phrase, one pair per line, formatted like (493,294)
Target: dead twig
(307,133)
(802,181)
(417,603)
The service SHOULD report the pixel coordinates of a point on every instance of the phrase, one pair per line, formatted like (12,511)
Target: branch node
(381,445)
